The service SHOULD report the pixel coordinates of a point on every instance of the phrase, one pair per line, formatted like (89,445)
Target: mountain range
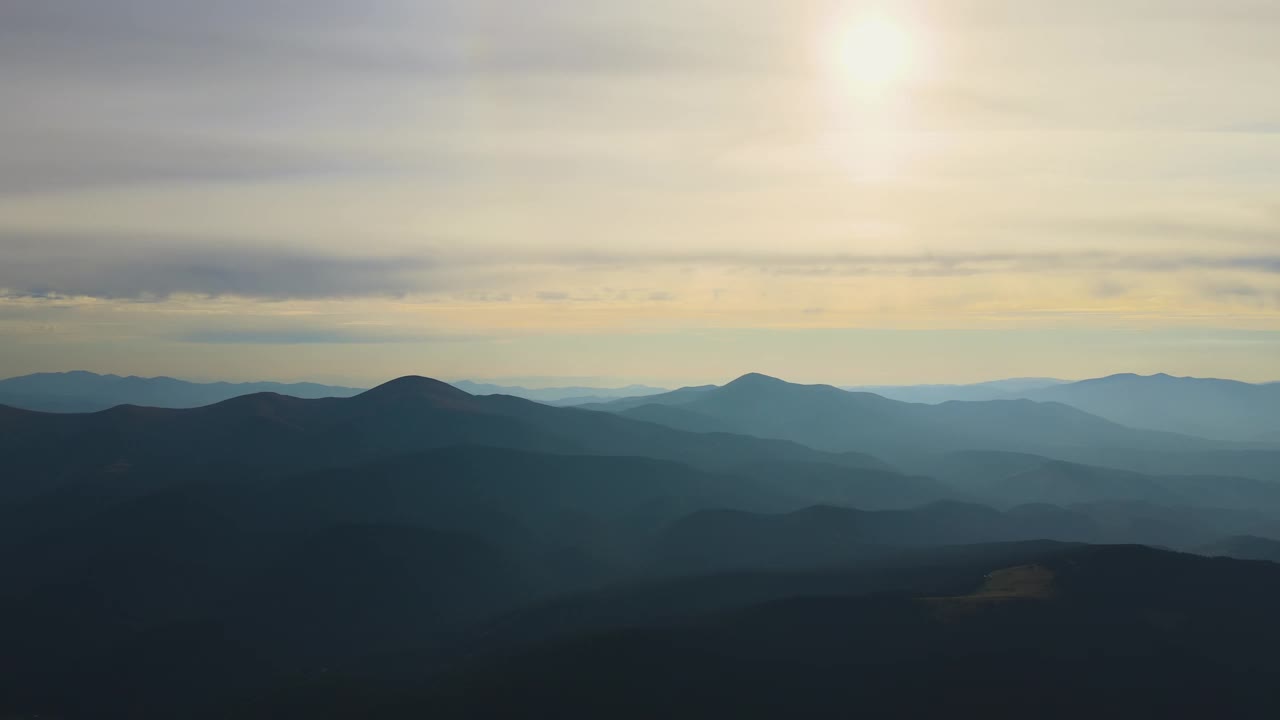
(758,548)
(832,419)
(571,395)
(933,394)
(1205,407)
(1225,410)
(79,391)
(1219,409)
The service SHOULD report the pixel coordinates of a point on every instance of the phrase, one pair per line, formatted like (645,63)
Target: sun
(875,54)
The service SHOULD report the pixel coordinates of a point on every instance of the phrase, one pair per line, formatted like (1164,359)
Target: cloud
(916,264)
(154,269)
(1106,289)
(1244,294)
(56,159)
(117,269)
(318,336)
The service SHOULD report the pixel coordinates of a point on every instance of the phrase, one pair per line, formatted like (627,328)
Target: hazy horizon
(607,382)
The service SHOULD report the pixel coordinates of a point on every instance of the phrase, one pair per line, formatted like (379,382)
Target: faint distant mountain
(835,420)
(558,395)
(1010,479)
(934,394)
(81,391)
(674,397)
(1219,409)
(1211,408)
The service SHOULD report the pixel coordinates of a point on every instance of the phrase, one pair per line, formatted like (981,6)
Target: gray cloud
(318,336)
(161,91)
(924,264)
(61,160)
(111,268)
(120,268)
(1109,289)
(1244,294)
(163,38)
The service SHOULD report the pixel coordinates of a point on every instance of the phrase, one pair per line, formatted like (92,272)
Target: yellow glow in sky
(853,191)
(875,54)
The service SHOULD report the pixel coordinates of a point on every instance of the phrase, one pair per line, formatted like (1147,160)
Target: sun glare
(875,54)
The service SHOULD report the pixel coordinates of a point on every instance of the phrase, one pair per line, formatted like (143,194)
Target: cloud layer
(179,175)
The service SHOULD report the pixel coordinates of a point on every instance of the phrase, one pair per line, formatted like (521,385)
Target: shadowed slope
(273,433)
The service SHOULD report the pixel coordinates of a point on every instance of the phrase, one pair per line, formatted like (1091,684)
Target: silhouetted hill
(299,573)
(79,391)
(274,433)
(1220,409)
(1114,632)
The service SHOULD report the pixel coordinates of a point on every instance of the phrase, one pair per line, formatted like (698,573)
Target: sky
(671,192)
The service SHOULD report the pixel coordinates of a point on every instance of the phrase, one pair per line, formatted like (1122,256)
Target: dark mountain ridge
(276,433)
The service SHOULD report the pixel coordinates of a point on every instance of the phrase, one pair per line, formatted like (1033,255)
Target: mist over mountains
(405,550)
(1220,409)
(81,391)
(571,395)
(1209,408)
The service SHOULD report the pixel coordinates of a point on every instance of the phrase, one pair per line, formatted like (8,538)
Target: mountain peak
(756,380)
(418,387)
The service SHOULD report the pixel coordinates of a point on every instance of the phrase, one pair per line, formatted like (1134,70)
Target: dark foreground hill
(1244,547)
(1059,632)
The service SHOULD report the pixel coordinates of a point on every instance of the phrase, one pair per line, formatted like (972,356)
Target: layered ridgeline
(562,395)
(402,552)
(274,434)
(832,419)
(79,391)
(1221,409)
(934,394)
(1206,407)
